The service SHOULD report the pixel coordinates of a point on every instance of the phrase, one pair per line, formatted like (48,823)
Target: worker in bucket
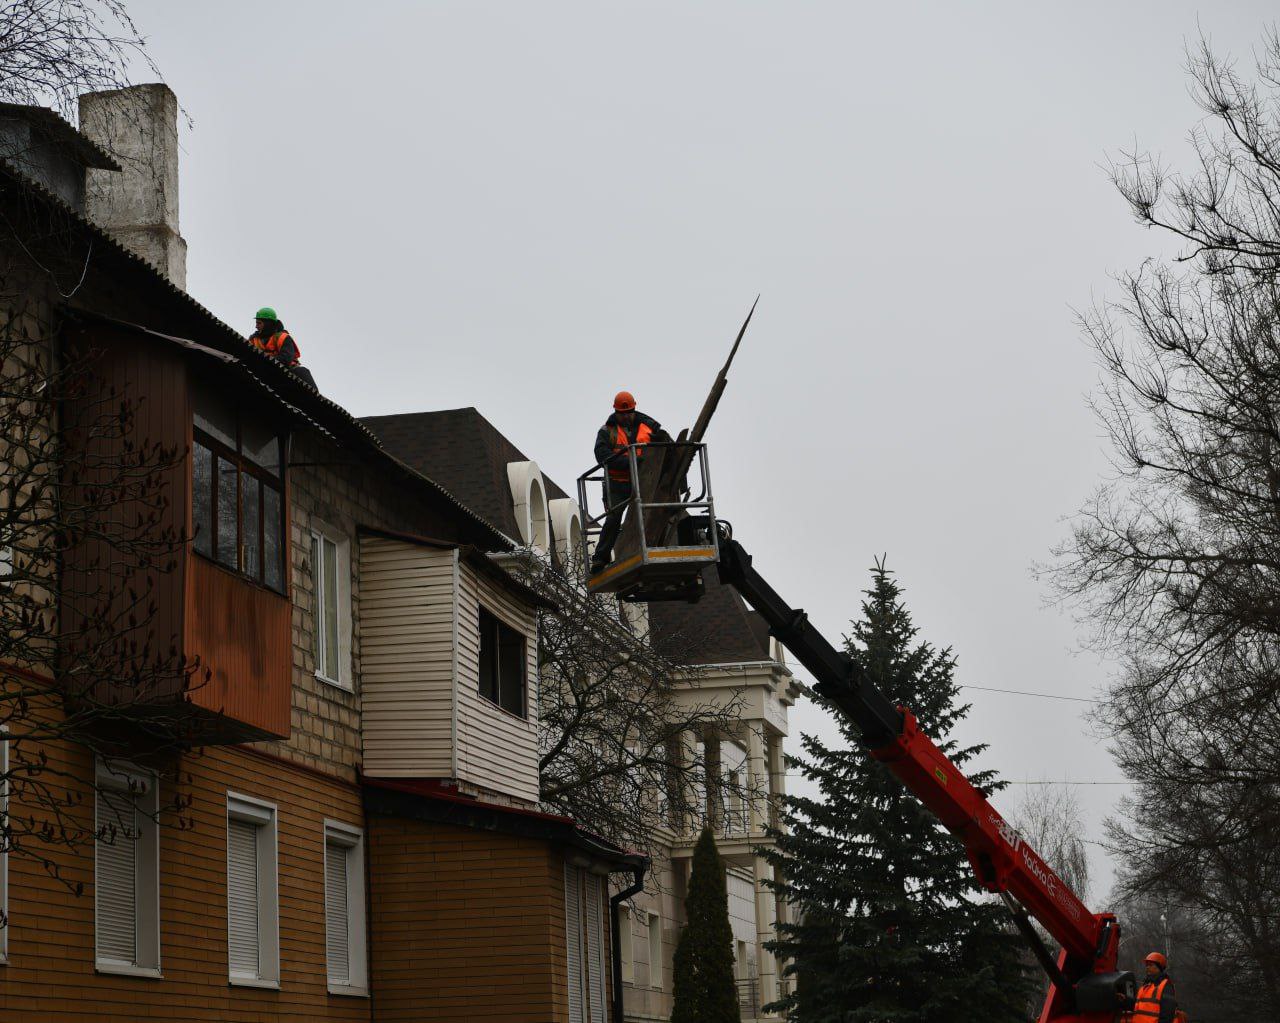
(1155,1002)
(270,337)
(625,427)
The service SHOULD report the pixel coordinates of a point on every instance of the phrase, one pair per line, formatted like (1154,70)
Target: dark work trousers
(616,495)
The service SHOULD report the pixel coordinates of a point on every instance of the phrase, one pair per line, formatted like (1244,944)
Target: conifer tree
(887,924)
(702,970)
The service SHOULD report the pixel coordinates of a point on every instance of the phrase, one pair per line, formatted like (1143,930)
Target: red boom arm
(1084,984)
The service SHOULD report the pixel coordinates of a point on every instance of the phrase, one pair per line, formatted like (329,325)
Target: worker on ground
(271,337)
(625,427)
(1155,1002)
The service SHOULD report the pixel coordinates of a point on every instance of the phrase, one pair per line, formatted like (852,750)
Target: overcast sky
(527,206)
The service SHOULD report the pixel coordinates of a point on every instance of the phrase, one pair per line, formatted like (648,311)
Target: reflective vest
(1147,1008)
(622,474)
(274,343)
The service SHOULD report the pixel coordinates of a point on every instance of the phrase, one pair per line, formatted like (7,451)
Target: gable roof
(463,451)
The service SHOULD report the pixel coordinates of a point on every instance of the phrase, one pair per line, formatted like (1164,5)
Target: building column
(777,777)
(758,776)
(766,963)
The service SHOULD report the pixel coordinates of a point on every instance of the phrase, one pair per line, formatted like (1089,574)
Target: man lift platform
(674,536)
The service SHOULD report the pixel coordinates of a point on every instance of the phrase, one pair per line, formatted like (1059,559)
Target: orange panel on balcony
(242,633)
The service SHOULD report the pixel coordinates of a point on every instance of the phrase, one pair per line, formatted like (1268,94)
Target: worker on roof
(1155,1002)
(625,427)
(271,337)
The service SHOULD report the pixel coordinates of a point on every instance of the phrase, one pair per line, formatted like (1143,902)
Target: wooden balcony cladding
(125,377)
(238,631)
(242,634)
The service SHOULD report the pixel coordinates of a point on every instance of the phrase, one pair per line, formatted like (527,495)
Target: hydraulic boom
(1085,986)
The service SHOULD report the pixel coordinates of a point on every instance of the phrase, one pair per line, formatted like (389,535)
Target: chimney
(138,126)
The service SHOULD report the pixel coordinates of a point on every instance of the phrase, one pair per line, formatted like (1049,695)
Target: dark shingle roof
(464,452)
(718,629)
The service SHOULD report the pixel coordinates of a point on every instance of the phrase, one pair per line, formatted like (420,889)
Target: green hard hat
(266,313)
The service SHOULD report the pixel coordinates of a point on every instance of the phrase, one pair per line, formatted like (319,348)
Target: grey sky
(527,206)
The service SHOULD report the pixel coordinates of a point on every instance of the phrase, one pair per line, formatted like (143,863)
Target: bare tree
(86,535)
(1050,819)
(52,51)
(629,741)
(1177,561)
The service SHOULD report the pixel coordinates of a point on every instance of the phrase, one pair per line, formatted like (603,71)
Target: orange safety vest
(1147,1008)
(620,443)
(274,343)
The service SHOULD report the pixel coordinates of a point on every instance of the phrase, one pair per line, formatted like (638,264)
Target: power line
(1023,692)
(801,774)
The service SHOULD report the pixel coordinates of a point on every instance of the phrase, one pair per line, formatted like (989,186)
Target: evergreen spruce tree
(888,924)
(702,969)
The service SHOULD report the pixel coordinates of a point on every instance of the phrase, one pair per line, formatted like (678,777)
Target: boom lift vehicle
(671,536)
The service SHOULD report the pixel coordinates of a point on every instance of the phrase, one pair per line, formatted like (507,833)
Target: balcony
(191,635)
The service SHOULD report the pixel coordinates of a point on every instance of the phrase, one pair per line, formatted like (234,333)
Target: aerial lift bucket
(668,535)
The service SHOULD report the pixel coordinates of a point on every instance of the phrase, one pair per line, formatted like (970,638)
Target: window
(502,664)
(625,952)
(253,925)
(655,950)
(344,909)
(584,913)
(126,870)
(236,481)
(331,575)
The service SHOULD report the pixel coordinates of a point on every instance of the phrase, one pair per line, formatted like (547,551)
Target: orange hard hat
(624,401)
(1158,959)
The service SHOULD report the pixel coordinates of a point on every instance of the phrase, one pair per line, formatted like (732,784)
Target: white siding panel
(406,658)
(495,749)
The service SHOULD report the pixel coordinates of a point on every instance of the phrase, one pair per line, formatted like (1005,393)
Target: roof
(61,134)
(465,452)
(165,304)
(426,802)
(718,629)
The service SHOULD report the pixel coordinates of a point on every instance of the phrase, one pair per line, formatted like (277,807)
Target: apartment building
(735,662)
(350,828)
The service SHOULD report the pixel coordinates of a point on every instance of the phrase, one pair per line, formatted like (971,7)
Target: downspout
(615,923)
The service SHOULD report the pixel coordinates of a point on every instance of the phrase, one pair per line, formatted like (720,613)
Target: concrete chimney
(138,126)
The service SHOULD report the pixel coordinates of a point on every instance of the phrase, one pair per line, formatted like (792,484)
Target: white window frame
(264,817)
(351,840)
(655,951)
(320,534)
(142,787)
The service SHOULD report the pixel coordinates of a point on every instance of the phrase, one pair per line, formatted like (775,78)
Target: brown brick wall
(467,925)
(51,976)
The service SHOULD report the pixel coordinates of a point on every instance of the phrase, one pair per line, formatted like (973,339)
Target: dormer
(529,501)
(449,668)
